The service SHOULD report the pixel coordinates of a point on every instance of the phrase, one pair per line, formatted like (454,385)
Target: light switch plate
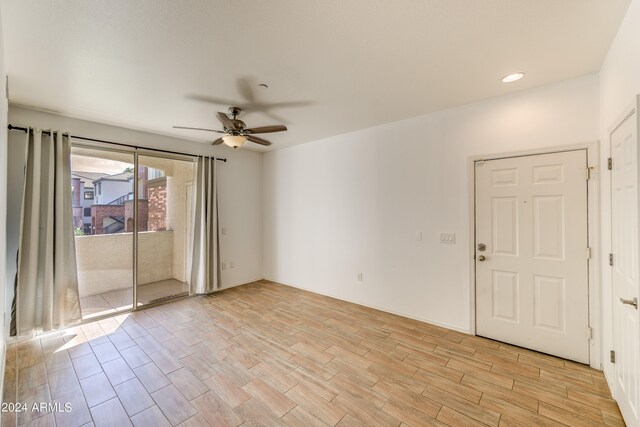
(449,238)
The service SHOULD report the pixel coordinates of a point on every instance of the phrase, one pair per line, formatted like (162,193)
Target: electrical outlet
(449,238)
(419,236)
(223,231)
(224,265)
(359,277)
(231,264)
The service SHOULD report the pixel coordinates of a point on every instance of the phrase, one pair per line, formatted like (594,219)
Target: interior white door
(624,246)
(532,276)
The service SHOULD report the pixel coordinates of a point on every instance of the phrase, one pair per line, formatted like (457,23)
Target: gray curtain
(205,262)
(47,286)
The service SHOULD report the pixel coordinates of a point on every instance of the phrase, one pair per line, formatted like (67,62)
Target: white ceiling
(358,63)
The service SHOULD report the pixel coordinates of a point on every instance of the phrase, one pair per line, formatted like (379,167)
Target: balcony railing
(104,261)
(120,200)
(115,227)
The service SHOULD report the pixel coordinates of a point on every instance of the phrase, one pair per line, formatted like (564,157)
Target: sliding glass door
(132,220)
(102,197)
(164,212)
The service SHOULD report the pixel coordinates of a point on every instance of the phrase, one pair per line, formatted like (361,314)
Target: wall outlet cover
(449,238)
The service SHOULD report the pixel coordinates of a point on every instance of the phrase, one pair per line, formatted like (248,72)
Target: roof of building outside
(122,176)
(88,177)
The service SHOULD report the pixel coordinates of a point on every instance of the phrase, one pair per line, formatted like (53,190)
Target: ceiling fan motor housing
(239,125)
(235,111)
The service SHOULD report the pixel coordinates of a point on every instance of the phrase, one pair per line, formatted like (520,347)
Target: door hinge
(589,332)
(588,253)
(611,260)
(610,163)
(590,170)
(612,356)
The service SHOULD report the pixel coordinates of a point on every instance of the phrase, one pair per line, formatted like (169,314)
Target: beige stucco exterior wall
(177,212)
(105,262)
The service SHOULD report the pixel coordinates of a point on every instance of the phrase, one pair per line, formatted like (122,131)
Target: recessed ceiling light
(512,77)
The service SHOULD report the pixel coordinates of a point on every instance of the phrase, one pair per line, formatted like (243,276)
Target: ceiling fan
(235,131)
(250,101)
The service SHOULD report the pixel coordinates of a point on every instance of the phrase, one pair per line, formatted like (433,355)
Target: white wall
(3,195)
(619,84)
(356,202)
(239,185)
(111,190)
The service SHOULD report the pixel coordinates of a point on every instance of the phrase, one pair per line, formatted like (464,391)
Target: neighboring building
(108,209)
(112,208)
(83,197)
(111,188)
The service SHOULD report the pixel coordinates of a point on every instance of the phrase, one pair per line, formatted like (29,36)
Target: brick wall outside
(157,190)
(100,212)
(143,216)
(143,176)
(76,189)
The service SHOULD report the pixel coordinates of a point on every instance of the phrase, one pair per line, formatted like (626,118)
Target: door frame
(135,152)
(593,219)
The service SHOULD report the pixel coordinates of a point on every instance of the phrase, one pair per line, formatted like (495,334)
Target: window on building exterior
(87,211)
(88,195)
(155,173)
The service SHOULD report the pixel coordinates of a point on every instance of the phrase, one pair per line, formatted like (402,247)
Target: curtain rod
(46,132)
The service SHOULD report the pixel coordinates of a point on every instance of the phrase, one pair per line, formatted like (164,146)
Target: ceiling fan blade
(274,116)
(217,141)
(267,129)
(290,104)
(267,108)
(258,140)
(212,100)
(190,128)
(245,86)
(226,121)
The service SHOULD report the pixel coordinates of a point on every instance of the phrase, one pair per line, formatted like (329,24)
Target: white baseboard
(233,285)
(609,376)
(386,310)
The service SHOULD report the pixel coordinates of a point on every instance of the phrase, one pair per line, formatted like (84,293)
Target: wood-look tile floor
(111,302)
(267,354)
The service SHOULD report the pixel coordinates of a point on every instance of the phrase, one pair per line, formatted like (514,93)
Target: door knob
(633,302)
(481,258)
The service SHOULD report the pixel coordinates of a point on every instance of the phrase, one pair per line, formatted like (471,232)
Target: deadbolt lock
(482,247)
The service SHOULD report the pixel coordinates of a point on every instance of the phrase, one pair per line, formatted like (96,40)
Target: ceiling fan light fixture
(513,77)
(234,141)
(235,132)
